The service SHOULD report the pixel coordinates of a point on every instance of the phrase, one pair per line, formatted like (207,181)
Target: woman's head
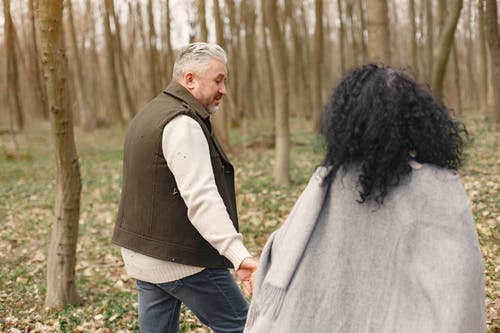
(379,118)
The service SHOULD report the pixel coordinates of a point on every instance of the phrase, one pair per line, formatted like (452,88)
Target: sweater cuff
(236,253)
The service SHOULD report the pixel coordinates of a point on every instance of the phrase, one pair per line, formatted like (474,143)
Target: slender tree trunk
(13,98)
(220,118)
(430,38)
(81,96)
(170,51)
(116,113)
(153,53)
(279,59)
(456,68)
(36,72)
(413,37)
(483,60)
(249,18)
(268,70)
(129,100)
(203,21)
(342,37)
(356,52)
(444,47)
(494,47)
(316,78)
(377,23)
(61,282)
(96,98)
(364,47)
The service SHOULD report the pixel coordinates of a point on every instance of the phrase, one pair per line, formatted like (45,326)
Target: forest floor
(108,296)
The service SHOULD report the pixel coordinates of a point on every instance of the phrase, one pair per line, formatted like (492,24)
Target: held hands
(245,273)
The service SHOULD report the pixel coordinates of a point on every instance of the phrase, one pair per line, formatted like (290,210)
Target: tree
(494,47)
(36,72)
(85,115)
(483,60)
(279,68)
(317,81)
(220,118)
(116,109)
(13,98)
(413,36)
(61,282)
(377,24)
(444,46)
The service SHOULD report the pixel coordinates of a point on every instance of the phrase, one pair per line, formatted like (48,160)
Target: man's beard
(212,108)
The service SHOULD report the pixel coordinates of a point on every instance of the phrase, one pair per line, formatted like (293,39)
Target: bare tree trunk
(203,21)
(444,47)
(96,99)
(456,68)
(279,59)
(472,88)
(268,70)
(413,37)
(153,52)
(377,23)
(494,47)
(170,51)
(36,72)
(249,18)
(129,100)
(364,47)
(483,60)
(13,99)
(430,38)
(342,37)
(220,118)
(115,113)
(317,66)
(85,116)
(357,57)
(61,282)
(234,58)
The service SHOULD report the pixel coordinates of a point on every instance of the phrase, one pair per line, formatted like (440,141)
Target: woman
(382,239)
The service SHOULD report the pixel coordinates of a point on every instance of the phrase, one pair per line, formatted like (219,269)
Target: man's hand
(245,273)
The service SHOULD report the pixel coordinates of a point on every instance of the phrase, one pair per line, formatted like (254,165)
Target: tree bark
(36,71)
(129,99)
(61,282)
(219,119)
(115,111)
(342,37)
(86,118)
(429,29)
(279,59)
(413,37)
(377,23)
(494,47)
(364,47)
(13,98)
(444,47)
(153,53)
(316,79)
(203,21)
(483,60)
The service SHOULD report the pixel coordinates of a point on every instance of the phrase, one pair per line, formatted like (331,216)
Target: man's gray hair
(197,56)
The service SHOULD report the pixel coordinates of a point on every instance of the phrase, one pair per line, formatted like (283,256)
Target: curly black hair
(379,118)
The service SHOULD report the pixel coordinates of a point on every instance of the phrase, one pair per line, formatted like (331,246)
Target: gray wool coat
(412,264)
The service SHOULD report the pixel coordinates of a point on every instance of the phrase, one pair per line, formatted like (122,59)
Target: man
(177,223)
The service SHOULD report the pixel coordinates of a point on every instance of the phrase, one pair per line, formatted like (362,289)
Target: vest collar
(178,91)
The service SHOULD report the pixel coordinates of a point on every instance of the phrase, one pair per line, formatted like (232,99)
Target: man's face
(209,86)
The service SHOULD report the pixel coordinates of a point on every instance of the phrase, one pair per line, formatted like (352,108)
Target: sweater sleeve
(186,151)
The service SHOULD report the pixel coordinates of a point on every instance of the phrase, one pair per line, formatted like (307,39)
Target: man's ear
(189,80)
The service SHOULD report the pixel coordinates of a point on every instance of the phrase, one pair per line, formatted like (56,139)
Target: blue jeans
(211,294)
